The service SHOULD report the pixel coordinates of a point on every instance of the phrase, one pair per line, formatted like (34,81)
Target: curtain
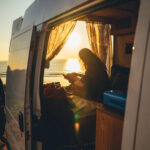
(100,41)
(58,37)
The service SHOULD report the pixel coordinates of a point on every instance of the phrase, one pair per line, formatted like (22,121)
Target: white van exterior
(25,59)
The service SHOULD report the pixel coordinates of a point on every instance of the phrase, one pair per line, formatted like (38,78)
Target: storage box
(115,99)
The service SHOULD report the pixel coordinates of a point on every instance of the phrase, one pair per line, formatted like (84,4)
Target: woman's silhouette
(95,81)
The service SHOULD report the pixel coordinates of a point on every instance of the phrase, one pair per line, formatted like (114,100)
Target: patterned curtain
(100,40)
(58,37)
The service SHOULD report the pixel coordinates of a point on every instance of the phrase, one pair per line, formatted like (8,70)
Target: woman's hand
(71,77)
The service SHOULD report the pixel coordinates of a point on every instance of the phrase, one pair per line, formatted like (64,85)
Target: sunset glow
(73,65)
(74,40)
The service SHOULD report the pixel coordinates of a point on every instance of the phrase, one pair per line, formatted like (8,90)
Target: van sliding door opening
(85,79)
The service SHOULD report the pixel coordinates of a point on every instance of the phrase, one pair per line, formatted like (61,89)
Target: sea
(53,71)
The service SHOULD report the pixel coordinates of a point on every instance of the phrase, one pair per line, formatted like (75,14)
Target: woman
(95,81)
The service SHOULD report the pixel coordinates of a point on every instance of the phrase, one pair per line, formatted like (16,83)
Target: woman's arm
(77,85)
(78,88)
(72,77)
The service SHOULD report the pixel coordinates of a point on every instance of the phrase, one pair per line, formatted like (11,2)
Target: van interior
(71,120)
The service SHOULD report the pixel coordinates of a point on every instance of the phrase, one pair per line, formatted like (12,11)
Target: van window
(67,61)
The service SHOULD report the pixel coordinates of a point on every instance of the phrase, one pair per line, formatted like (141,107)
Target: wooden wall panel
(121,58)
(108,131)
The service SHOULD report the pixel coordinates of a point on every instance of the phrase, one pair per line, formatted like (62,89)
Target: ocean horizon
(54,73)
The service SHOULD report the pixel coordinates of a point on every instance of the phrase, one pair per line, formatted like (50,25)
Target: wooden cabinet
(109,127)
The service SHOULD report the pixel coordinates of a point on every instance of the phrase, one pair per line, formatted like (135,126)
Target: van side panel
(135,96)
(143,123)
(15,85)
(48,9)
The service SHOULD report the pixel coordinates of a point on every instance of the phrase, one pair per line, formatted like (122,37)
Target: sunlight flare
(74,40)
(73,65)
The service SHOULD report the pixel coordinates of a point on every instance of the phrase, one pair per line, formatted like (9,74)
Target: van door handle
(21,121)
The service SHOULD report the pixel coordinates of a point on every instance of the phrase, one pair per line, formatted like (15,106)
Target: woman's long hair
(94,65)
(97,80)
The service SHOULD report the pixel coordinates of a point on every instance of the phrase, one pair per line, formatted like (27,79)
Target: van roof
(43,10)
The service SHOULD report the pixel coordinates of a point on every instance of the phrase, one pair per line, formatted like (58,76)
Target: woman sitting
(95,81)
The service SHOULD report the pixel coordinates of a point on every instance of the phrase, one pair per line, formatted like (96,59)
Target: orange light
(77,126)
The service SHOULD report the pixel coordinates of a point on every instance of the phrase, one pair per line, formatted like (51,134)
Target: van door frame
(28,98)
(37,80)
(134,99)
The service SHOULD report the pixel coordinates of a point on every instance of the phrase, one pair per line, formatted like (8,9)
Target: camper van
(46,112)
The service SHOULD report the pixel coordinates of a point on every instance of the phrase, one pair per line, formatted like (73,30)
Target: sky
(77,40)
(13,9)
(9,11)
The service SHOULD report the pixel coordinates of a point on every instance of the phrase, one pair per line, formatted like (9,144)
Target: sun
(74,40)
(73,65)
